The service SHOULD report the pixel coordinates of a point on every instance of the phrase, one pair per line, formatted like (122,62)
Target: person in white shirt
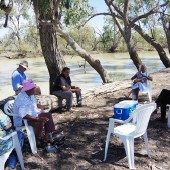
(26,107)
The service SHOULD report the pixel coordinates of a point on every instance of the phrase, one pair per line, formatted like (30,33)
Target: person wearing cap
(19,76)
(25,106)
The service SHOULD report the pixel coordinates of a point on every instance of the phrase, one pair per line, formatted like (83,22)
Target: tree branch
(114,18)
(125,10)
(152,11)
(94,15)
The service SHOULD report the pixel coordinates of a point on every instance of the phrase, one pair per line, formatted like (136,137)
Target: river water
(119,67)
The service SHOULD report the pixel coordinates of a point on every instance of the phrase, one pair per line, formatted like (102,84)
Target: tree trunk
(162,54)
(167,33)
(94,63)
(134,55)
(52,56)
(131,49)
(49,46)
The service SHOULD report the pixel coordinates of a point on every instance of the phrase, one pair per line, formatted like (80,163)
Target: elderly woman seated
(140,82)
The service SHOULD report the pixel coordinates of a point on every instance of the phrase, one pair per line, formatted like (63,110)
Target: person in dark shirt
(162,101)
(64,90)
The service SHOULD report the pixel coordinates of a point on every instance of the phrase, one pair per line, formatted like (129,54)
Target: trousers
(68,95)
(162,100)
(39,127)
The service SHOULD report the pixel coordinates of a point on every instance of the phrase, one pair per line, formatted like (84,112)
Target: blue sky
(100,6)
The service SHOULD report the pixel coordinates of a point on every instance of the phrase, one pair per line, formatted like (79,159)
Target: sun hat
(28,85)
(24,64)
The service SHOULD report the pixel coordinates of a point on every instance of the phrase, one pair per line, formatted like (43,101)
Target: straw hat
(24,64)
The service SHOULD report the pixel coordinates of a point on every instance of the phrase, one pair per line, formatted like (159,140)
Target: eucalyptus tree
(165,19)
(119,10)
(49,14)
(111,36)
(124,15)
(18,15)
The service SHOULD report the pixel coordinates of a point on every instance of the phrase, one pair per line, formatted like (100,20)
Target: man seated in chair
(64,90)
(26,107)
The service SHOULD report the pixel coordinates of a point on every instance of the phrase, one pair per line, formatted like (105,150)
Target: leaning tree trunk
(131,49)
(134,55)
(94,63)
(162,54)
(167,33)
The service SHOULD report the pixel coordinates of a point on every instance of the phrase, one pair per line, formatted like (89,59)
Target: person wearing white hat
(19,76)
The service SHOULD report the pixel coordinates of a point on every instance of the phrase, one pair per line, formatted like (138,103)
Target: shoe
(72,110)
(79,105)
(58,139)
(51,148)
(58,110)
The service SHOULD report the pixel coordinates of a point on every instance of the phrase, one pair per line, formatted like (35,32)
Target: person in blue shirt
(19,76)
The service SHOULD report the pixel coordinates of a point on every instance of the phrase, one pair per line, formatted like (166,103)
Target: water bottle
(51,149)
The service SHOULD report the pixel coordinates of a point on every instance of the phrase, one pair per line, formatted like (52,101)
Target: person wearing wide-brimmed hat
(19,76)
(25,106)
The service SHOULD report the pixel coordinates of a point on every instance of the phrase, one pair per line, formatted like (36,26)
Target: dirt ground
(86,131)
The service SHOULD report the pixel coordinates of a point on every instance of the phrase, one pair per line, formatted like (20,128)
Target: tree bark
(167,33)
(48,40)
(94,63)
(131,48)
(162,54)
(53,59)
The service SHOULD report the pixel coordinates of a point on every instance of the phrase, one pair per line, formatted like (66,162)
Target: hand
(78,89)
(142,81)
(20,87)
(135,80)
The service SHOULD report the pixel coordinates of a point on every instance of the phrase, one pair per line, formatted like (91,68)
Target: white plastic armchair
(8,109)
(16,146)
(148,91)
(129,131)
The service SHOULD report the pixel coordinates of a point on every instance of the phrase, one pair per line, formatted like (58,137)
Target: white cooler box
(123,109)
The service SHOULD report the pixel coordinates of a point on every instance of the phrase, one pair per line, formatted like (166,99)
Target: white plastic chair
(129,131)
(8,109)
(148,91)
(16,146)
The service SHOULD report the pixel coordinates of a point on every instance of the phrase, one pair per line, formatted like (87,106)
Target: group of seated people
(26,107)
